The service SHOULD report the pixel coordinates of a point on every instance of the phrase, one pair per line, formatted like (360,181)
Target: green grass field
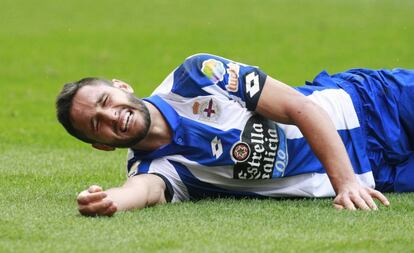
(44,44)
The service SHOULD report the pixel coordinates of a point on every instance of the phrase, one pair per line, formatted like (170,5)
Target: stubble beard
(139,105)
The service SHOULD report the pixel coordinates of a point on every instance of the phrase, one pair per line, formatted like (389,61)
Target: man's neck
(159,133)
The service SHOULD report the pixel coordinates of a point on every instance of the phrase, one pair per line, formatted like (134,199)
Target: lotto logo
(216,147)
(252,84)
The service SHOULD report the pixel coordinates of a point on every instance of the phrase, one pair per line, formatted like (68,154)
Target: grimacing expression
(110,116)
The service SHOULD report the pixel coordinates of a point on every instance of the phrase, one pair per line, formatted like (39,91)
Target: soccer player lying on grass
(217,128)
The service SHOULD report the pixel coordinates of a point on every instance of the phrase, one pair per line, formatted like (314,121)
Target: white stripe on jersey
(304,185)
(163,167)
(166,85)
(337,103)
(217,91)
(231,114)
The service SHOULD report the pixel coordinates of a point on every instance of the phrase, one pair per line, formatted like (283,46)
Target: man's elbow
(304,109)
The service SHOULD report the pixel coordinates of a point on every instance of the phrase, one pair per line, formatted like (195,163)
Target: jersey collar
(174,121)
(170,115)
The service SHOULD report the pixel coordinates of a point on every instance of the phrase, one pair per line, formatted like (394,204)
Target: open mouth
(126,121)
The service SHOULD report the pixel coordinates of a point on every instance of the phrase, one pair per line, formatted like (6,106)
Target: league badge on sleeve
(214,70)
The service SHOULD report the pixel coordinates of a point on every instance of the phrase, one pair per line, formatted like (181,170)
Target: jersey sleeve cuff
(254,82)
(169,192)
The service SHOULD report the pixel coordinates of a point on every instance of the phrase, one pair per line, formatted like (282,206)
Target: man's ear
(103,147)
(122,85)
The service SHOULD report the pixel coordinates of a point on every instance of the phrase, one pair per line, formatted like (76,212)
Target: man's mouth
(126,121)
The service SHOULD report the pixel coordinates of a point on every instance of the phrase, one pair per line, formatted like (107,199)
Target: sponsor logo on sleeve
(214,70)
(233,80)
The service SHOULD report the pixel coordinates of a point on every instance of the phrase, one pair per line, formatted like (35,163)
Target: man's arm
(138,192)
(284,104)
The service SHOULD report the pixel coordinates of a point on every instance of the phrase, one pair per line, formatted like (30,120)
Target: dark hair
(64,104)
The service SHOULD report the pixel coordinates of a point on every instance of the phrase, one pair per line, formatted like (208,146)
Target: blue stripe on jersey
(198,189)
(208,145)
(195,144)
(300,160)
(143,167)
(185,86)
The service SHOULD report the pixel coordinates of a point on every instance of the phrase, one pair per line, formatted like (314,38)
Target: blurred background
(44,44)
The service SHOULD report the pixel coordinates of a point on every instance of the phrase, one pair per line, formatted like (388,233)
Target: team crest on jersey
(233,72)
(240,151)
(207,110)
(214,70)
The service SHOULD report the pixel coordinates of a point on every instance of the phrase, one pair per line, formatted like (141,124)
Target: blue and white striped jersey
(221,147)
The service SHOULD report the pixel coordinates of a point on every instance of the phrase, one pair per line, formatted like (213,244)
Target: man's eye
(105,100)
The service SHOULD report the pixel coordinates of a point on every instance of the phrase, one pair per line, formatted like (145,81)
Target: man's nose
(109,114)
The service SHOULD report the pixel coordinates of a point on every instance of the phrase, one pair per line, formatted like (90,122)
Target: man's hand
(137,192)
(353,196)
(92,202)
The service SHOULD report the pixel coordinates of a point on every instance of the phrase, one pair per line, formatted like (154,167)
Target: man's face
(109,116)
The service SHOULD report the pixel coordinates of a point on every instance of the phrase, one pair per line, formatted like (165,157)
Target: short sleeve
(239,81)
(176,191)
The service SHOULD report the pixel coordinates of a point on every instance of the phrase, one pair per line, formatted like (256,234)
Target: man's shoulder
(188,78)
